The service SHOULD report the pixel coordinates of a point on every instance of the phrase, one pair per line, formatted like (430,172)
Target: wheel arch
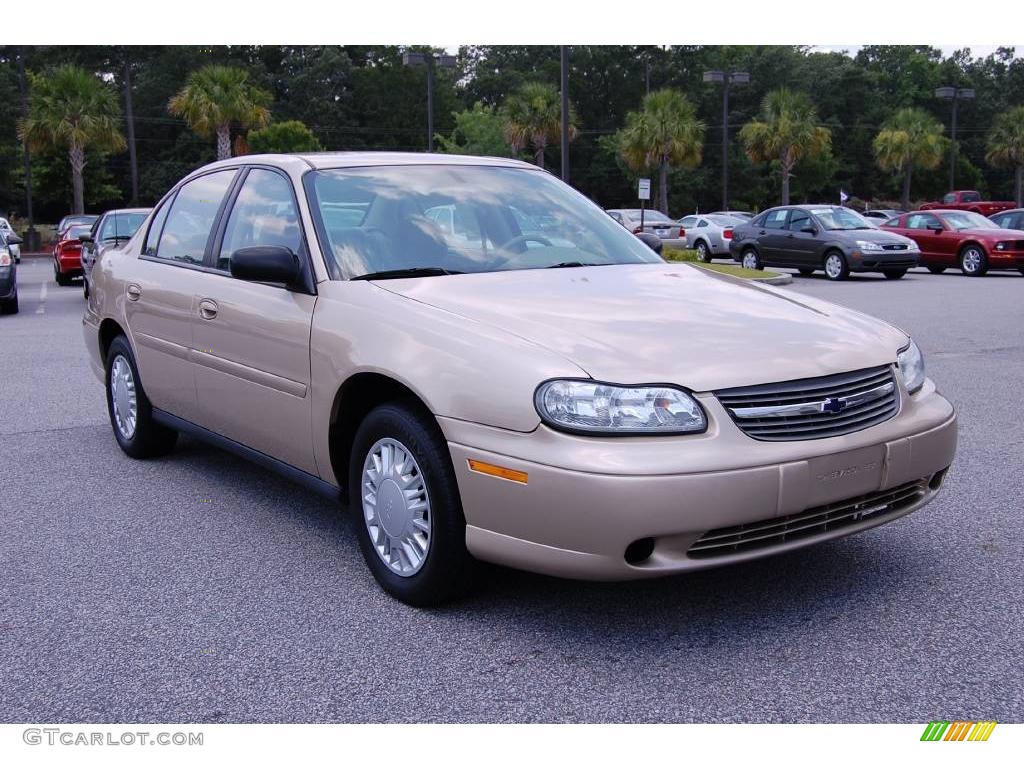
(968,243)
(109,330)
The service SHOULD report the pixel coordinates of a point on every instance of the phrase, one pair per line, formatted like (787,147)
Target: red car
(961,239)
(968,200)
(67,254)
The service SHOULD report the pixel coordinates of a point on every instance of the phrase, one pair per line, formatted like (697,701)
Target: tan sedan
(559,400)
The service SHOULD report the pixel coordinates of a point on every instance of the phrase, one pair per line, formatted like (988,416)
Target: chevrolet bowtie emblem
(833,405)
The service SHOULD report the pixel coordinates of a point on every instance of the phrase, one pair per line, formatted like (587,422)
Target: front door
(802,247)
(771,238)
(251,340)
(928,231)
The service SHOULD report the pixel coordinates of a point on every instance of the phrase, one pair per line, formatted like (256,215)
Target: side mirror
(13,239)
(266,264)
(936,230)
(85,238)
(810,230)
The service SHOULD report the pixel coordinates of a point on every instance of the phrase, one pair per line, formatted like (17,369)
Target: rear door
(251,340)
(160,297)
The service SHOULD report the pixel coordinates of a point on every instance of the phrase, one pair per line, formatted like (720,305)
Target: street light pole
(955,95)
(430,61)
(31,237)
(727,79)
(565,112)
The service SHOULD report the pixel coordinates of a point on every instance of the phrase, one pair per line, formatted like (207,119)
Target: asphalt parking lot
(200,588)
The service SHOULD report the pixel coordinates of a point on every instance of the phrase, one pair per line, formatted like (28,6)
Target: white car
(7,229)
(709,235)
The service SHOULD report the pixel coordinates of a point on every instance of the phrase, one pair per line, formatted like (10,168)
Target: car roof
(127,210)
(325,160)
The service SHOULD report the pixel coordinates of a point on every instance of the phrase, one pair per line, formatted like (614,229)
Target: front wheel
(131,414)
(407,509)
(750,259)
(973,261)
(703,252)
(836,267)
(894,274)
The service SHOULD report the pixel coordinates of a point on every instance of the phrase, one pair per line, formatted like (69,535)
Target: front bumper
(588,499)
(1005,259)
(873,261)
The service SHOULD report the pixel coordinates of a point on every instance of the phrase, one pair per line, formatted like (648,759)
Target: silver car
(655,223)
(709,234)
(14,248)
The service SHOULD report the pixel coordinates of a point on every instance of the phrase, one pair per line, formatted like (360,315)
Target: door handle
(762,232)
(207,309)
(134,292)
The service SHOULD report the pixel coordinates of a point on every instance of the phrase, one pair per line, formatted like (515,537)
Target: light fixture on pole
(727,79)
(430,61)
(564,56)
(955,95)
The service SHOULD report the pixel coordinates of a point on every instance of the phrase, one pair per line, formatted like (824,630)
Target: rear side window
(950,198)
(155,228)
(776,219)
(970,197)
(191,217)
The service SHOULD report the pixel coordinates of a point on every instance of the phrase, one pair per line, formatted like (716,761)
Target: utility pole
(727,79)
(953,94)
(429,60)
(565,112)
(32,242)
(129,117)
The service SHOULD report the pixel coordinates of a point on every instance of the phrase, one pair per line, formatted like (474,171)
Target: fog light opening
(639,550)
(937,479)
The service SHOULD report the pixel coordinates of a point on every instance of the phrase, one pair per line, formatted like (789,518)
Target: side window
(702,223)
(799,220)
(922,221)
(950,198)
(155,228)
(970,197)
(263,214)
(688,222)
(191,217)
(776,219)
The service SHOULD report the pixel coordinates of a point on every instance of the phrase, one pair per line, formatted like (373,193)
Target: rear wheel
(703,252)
(131,414)
(750,259)
(973,261)
(407,509)
(806,271)
(60,277)
(894,274)
(836,267)
(85,287)
(936,270)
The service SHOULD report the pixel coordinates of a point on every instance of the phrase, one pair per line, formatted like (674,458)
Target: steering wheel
(523,238)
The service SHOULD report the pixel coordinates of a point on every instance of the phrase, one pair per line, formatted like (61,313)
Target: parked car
(75,218)
(112,230)
(968,200)
(709,234)
(67,254)
(735,214)
(829,237)
(13,247)
(651,241)
(878,216)
(8,273)
(1012,219)
(655,222)
(590,412)
(961,239)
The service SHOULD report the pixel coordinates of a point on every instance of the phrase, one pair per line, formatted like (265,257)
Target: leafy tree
(478,131)
(286,136)
(71,110)
(787,131)
(664,133)
(910,139)
(533,117)
(1006,147)
(217,96)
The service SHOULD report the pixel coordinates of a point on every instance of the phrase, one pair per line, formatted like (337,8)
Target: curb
(780,279)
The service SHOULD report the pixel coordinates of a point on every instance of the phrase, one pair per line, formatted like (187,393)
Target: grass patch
(690,257)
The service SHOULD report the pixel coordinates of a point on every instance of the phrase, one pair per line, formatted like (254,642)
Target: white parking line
(42,299)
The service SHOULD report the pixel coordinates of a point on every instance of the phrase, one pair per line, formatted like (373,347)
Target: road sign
(644,191)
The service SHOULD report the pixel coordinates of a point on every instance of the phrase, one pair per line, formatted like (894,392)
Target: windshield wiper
(394,274)
(568,264)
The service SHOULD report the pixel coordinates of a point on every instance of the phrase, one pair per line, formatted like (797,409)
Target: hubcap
(749,261)
(972,259)
(833,266)
(702,251)
(123,397)
(396,507)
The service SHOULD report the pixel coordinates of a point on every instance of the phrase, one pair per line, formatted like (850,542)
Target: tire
(806,271)
(751,259)
(10,306)
(445,567)
(894,274)
(936,270)
(85,288)
(1021,270)
(973,261)
(147,439)
(62,280)
(835,266)
(703,252)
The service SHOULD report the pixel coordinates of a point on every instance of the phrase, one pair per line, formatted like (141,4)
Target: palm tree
(1006,147)
(910,139)
(532,116)
(787,131)
(664,133)
(71,109)
(216,96)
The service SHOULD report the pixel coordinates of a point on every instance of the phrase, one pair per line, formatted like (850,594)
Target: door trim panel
(254,375)
(162,345)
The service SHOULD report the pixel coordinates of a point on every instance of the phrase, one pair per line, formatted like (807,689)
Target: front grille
(762,534)
(895,246)
(808,409)
(889,263)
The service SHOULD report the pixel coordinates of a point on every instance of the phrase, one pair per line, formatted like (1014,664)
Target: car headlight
(5,257)
(910,362)
(595,408)
(1002,246)
(869,245)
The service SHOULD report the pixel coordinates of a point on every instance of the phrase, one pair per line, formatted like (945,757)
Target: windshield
(121,226)
(967,220)
(77,230)
(725,221)
(840,218)
(450,219)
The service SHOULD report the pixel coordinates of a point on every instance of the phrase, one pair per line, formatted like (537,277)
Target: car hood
(665,323)
(992,234)
(870,235)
